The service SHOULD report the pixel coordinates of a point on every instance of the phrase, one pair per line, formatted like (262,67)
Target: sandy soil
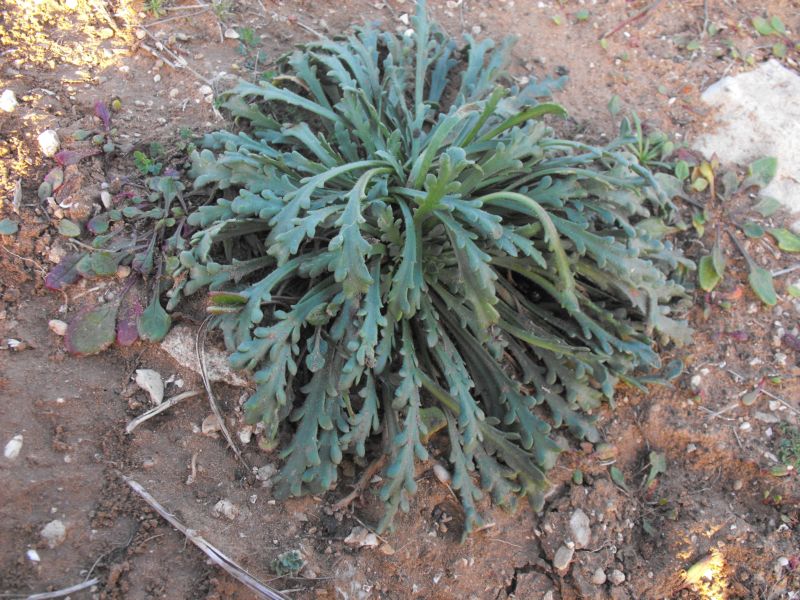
(717,496)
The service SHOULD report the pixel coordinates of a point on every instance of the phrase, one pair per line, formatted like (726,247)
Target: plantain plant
(394,236)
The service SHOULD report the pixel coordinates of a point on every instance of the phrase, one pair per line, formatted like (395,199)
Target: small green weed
(145,164)
(155,7)
(789,445)
(288,563)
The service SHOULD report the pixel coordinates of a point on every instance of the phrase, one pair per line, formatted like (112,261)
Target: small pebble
(266,472)
(580,528)
(563,557)
(360,538)
(599,577)
(738,484)
(441,473)
(123,271)
(54,533)
(476,29)
(8,101)
(33,555)
(173,93)
(49,142)
(227,509)
(245,434)
(57,326)
(210,425)
(386,549)
(766,417)
(150,381)
(231,34)
(617,577)
(13,447)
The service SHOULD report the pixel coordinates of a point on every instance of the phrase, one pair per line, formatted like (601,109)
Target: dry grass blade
(200,348)
(217,557)
(65,591)
(362,484)
(158,409)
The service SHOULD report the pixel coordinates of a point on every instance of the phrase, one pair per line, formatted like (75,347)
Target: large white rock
(49,142)
(180,345)
(8,101)
(758,114)
(54,533)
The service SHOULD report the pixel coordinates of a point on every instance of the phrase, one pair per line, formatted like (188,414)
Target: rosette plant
(398,243)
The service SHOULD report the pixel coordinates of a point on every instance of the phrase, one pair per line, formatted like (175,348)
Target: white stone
(8,101)
(105,199)
(563,557)
(210,425)
(33,555)
(49,142)
(758,115)
(265,472)
(441,473)
(580,528)
(54,533)
(246,434)
(231,33)
(150,381)
(226,508)
(360,538)
(13,447)
(57,326)
(599,577)
(617,577)
(180,345)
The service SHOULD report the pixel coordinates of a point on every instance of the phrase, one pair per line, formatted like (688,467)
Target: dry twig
(217,557)
(200,348)
(158,409)
(362,484)
(65,591)
(633,19)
